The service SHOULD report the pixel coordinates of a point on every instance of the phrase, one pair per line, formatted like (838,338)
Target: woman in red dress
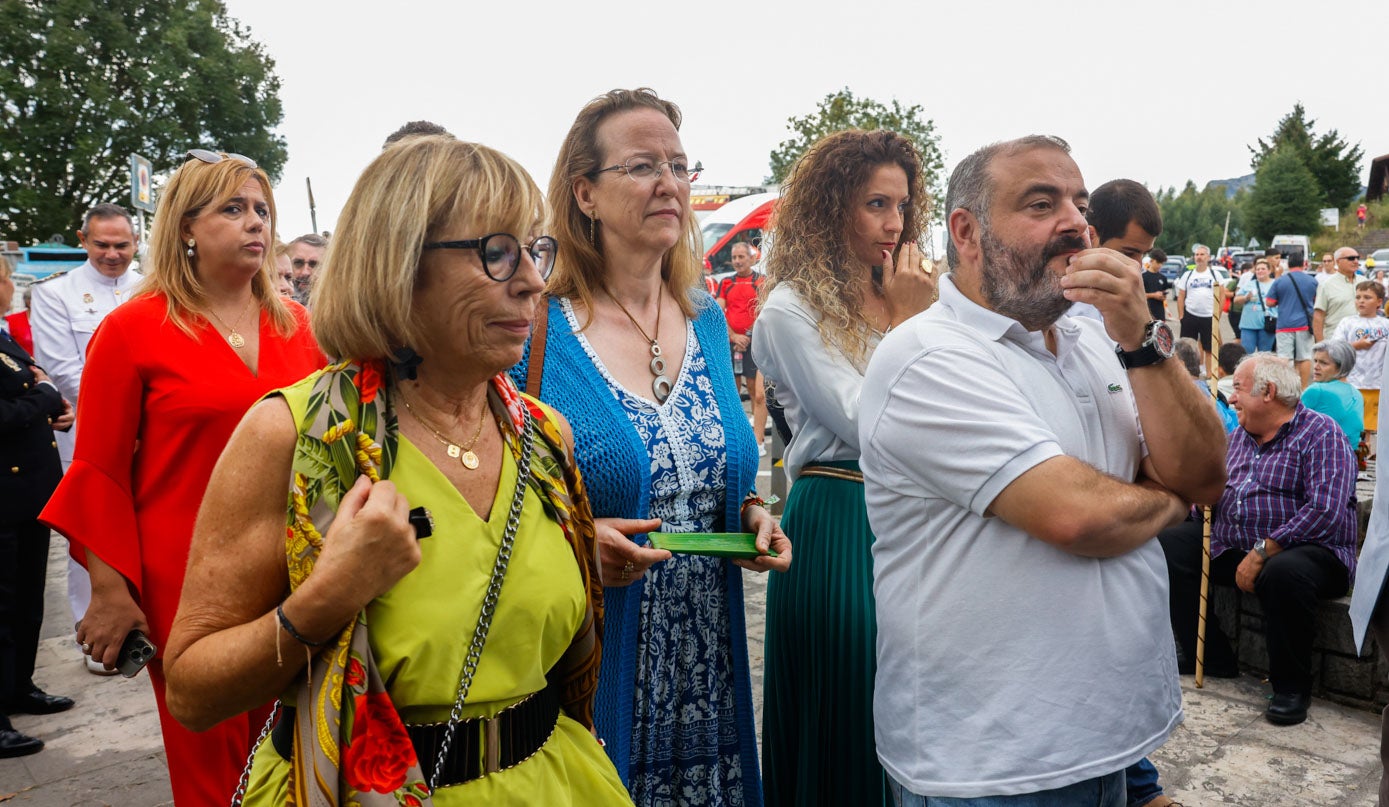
(168,377)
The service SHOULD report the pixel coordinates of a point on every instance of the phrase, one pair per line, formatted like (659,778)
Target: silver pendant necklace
(661,384)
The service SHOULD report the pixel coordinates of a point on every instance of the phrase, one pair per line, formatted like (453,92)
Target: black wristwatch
(1158,344)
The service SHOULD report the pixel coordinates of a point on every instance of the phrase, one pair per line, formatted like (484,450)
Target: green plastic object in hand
(713,544)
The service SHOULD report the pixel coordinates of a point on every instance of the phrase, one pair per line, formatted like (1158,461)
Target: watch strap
(1142,357)
(1150,352)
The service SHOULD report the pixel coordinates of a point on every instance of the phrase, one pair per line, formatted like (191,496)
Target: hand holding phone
(135,653)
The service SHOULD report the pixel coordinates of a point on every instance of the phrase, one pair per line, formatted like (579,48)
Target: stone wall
(1340,674)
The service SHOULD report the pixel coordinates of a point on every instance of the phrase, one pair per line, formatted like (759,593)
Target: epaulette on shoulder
(53,276)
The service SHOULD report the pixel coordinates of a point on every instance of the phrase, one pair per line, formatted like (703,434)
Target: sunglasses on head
(212,157)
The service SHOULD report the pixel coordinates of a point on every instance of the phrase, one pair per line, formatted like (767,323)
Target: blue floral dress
(685,742)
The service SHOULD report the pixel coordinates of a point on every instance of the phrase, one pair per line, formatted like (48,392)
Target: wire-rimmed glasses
(646,169)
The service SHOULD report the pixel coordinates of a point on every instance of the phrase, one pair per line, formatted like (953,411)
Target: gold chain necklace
(660,385)
(464,454)
(237,340)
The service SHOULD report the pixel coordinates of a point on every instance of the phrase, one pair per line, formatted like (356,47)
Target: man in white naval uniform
(65,311)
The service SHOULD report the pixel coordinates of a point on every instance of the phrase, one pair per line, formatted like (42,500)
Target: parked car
(1244,261)
(1379,259)
(1173,268)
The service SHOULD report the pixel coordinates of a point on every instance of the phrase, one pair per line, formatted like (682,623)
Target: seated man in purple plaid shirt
(1284,530)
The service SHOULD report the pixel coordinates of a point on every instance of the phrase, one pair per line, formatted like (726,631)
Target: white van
(1289,245)
(742,220)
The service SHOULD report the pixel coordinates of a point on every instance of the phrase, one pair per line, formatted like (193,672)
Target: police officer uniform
(65,310)
(29,472)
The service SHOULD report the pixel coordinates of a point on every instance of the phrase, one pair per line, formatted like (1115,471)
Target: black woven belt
(480,745)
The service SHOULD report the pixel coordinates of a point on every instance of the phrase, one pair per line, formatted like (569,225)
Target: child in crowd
(1228,357)
(1367,332)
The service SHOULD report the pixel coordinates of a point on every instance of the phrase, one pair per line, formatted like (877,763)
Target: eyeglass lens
(644,169)
(501,255)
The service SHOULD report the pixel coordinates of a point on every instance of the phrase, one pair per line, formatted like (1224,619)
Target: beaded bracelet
(289,628)
(752,499)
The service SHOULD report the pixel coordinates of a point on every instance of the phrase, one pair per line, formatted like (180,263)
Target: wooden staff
(1207,513)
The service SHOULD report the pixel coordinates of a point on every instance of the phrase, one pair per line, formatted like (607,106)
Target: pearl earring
(191,244)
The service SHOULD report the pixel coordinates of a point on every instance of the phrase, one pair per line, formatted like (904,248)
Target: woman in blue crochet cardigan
(635,355)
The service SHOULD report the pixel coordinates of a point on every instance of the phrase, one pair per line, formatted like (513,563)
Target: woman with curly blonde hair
(844,267)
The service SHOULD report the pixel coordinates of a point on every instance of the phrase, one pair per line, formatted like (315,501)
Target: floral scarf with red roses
(350,746)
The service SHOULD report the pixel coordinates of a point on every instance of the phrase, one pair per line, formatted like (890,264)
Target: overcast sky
(1160,92)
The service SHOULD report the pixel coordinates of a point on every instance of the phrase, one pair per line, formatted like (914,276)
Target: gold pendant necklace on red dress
(237,340)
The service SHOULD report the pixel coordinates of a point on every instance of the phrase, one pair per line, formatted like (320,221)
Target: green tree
(1284,198)
(841,110)
(1192,217)
(1333,162)
(86,83)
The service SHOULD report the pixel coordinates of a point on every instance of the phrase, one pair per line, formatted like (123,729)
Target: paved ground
(104,751)
(107,750)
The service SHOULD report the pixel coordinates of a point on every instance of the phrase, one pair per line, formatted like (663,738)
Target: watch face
(1160,335)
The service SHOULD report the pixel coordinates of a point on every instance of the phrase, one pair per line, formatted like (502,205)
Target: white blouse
(819,387)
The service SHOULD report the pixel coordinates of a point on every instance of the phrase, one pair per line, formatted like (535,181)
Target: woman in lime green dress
(400,547)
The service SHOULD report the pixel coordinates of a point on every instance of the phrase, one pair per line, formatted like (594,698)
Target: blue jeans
(1141,783)
(1103,791)
(1256,339)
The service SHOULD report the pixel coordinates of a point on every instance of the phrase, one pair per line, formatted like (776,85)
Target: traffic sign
(141,192)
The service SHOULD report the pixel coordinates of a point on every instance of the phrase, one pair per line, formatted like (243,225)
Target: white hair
(1340,353)
(1270,368)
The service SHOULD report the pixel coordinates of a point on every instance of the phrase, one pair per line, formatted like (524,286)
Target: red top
(155,410)
(18,325)
(740,296)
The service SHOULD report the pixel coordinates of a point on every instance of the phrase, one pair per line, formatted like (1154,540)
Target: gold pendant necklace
(464,454)
(237,340)
(661,384)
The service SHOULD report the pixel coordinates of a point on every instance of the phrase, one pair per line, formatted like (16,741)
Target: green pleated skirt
(817,721)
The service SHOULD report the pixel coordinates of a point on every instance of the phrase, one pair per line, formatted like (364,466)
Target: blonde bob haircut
(580,268)
(195,187)
(422,189)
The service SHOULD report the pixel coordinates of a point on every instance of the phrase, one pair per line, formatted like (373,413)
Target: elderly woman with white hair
(1330,393)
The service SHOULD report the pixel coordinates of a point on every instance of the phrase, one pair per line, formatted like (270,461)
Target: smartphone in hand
(135,653)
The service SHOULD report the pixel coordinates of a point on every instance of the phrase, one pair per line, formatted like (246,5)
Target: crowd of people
(396,507)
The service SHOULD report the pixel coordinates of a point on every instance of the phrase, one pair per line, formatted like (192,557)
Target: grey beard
(1020,286)
(301,289)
